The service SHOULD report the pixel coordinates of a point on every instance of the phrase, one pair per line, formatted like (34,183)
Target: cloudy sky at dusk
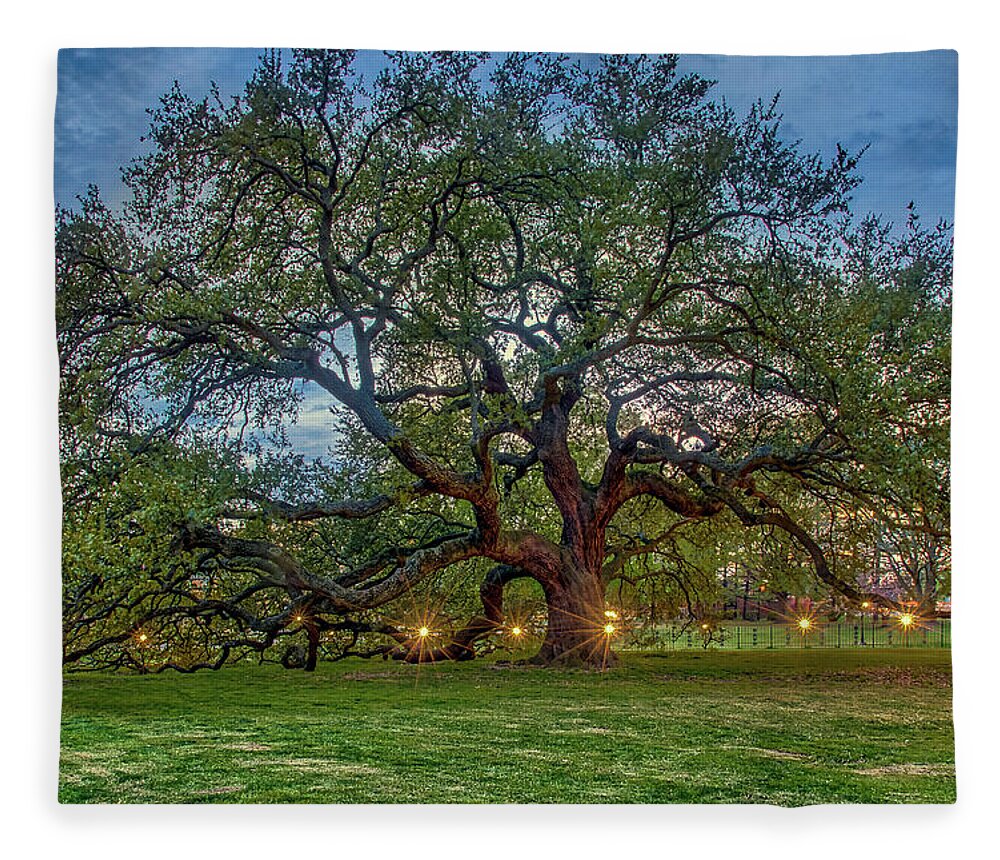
(903,106)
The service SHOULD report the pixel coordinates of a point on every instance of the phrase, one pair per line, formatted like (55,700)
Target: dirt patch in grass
(222,789)
(316,765)
(368,676)
(909,769)
(89,763)
(769,753)
(358,769)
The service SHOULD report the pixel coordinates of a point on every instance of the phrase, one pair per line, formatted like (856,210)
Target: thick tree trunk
(579,633)
(312,654)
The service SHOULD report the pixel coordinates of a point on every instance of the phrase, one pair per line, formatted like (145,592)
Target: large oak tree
(561,312)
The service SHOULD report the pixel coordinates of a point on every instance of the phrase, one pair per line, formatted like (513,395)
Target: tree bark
(578,633)
(312,652)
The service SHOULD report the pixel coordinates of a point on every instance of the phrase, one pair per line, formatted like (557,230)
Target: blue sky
(904,106)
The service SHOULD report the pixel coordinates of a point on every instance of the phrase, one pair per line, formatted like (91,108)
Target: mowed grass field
(785,727)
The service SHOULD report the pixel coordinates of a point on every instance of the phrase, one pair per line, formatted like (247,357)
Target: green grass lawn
(788,727)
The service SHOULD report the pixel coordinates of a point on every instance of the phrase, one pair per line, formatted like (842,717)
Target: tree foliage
(576,323)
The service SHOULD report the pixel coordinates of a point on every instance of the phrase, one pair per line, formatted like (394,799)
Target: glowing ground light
(865,605)
(516,631)
(609,629)
(424,632)
(906,620)
(142,637)
(805,624)
(704,627)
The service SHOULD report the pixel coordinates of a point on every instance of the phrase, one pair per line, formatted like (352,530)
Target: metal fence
(738,636)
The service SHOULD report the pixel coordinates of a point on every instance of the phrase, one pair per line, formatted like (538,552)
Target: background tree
(562,314)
